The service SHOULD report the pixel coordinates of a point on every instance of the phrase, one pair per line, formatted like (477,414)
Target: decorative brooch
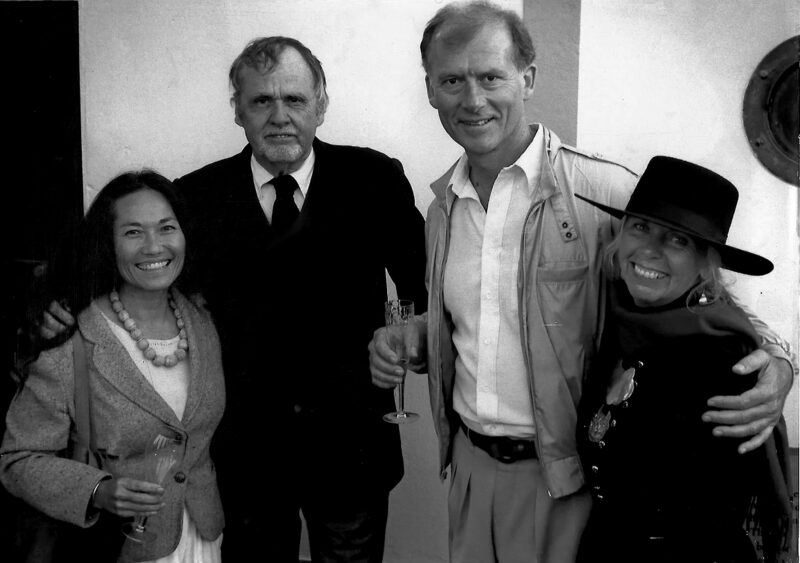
(620,390)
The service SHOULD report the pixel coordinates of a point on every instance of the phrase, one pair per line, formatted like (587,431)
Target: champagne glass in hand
(399,314)
(160,456)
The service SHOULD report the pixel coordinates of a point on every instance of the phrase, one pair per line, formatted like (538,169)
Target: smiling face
(480,93)
(279,112)
(658,264)
(148,242)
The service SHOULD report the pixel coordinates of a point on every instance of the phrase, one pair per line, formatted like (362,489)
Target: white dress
(173,385)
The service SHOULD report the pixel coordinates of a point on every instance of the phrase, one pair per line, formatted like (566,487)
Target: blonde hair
(711,288)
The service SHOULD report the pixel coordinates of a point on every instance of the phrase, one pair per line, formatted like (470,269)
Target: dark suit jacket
(296,313)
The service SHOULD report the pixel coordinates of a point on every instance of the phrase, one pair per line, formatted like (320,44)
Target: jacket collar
(113,363)
(547,179)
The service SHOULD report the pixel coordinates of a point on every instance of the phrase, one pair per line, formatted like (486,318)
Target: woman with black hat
(664,488)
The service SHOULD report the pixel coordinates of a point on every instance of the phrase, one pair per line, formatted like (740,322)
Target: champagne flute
(399,315)
(160,456)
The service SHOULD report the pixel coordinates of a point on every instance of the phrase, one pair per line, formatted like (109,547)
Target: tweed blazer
(126,415)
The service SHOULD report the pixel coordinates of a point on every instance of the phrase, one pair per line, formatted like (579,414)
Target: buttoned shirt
(492,391)
(266,193)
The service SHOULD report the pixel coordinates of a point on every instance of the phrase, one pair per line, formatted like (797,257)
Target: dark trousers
(612,535)
(352,532)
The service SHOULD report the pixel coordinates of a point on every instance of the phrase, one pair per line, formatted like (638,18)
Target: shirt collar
(460,184)
(302,175)
(529,163)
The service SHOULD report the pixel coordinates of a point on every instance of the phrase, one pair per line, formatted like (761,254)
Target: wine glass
(160,456)
(399,314)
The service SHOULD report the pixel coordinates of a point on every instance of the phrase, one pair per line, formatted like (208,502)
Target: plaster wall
(555,28)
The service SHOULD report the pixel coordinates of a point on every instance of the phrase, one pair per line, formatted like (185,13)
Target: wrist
(779,353)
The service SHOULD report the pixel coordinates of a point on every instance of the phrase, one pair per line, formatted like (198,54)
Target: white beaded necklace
(142,343)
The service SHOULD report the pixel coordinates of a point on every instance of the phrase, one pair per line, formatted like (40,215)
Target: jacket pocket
(568,320)
(561,273)
(562,293)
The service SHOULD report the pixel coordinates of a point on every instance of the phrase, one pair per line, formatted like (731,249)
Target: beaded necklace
(142,343)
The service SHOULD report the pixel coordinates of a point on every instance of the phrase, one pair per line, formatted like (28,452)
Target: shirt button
(565,224)
(180,477)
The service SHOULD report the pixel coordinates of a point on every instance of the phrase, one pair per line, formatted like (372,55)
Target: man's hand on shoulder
(754,413)
(55,320)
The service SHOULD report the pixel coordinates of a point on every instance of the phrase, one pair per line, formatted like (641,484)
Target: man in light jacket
(516,300)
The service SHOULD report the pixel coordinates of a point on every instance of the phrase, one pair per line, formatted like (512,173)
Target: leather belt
(501,448)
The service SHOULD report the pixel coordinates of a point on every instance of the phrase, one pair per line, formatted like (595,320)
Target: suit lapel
(242,206)
(114,364)
(322,199)
(322,175)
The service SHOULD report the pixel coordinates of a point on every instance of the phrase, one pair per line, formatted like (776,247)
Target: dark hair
(98,256)
(90,270)
(78,273)
(468,18)
(262,54)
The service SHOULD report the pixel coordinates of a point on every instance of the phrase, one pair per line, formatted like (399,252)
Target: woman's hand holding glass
(128,497)
(140,498)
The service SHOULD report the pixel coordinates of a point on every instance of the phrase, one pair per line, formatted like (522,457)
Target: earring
(703,299)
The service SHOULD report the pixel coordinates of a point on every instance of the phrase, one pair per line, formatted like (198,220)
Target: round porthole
(771,111)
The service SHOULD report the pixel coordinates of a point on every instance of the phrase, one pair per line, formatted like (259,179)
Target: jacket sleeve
(404,228)
(38,427)
(771,342)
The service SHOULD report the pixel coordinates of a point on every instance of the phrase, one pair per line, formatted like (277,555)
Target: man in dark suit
(295,279)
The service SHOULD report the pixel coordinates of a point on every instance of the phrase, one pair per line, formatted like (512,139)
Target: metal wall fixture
(771,111)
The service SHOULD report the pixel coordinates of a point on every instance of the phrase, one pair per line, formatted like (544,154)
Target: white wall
(668,77)
(155,93)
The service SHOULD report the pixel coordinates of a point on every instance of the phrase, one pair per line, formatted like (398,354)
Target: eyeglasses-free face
(657,264)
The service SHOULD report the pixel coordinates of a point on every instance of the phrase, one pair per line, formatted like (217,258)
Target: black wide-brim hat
(693,200)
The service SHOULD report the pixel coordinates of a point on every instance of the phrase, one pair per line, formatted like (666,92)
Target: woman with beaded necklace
(154,371)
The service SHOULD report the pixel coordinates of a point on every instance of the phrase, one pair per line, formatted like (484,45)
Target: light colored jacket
(561,292)
(126,414)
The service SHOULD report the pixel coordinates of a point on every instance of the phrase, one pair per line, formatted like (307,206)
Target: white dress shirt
(492,391)
(266,192)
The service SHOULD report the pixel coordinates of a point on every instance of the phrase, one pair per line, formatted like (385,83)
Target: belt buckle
(499,455)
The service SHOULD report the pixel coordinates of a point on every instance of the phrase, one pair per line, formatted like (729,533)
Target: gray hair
(262,54)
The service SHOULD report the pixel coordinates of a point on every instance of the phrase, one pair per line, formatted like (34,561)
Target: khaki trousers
(502,512)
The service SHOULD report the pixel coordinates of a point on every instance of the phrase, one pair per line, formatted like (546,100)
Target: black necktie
(284,212)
